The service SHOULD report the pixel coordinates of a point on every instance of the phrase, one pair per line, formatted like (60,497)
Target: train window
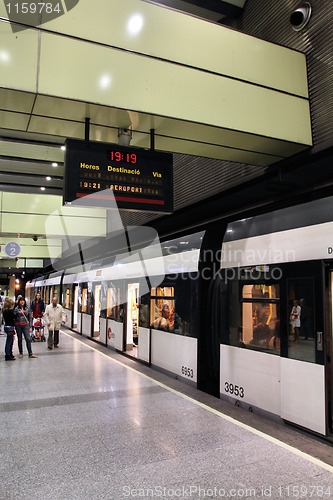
(56,292)
(67,298)
(162,310)
(260,324)
(301,319)
(113,307)
(84,300)
(86,297)
(144,311)
(103,299)
(89,298)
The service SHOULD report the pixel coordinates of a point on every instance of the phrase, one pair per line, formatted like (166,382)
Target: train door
(132,320)
(329,355)
(75,305)
(302,365)
(96,311)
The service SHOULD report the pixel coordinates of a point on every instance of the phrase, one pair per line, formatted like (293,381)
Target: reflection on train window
(56,292)
(103,299)
(162,310)
(113,308)
(67,298)
(261,317)
(301,319)
(144,311)
(84,300)
(45,295)
(89,297)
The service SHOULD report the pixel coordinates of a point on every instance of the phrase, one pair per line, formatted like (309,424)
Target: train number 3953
(188,372)
(234,389)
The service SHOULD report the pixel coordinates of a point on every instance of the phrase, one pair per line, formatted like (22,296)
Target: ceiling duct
(213,10)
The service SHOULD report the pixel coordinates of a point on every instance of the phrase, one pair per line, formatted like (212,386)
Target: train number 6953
(234,389)
(188,372)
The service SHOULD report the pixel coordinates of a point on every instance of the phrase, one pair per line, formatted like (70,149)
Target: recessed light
(105,81)
(54,164)
(42,188)
(135,24)
(48,178)
(63,148)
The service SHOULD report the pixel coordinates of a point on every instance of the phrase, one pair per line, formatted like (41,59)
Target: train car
(155,320)
(243,311)
(275,354)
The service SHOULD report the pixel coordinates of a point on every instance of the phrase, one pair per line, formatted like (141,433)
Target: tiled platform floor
(76,424)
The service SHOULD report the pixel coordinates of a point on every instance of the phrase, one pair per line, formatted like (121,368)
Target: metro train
(244,311)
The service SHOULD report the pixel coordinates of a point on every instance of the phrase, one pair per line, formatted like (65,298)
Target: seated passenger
(261,335)
(163,322)
(275,341)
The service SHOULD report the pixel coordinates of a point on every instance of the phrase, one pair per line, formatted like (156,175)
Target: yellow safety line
(272,439)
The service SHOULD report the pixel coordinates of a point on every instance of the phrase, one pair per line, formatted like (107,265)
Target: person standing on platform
(2,299)
(22,326)
(9,319)
(306,320)
(54,316)
(37,306)
(295,319)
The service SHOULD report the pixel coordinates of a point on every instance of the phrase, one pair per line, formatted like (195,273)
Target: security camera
(300,17)
(124,136)
(35,238)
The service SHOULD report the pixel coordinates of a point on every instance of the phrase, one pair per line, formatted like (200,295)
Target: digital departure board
(140,179)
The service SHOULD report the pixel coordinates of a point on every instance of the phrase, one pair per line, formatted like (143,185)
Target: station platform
(84,422)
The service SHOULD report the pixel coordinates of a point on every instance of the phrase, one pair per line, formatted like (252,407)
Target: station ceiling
(33,129)
(31,136)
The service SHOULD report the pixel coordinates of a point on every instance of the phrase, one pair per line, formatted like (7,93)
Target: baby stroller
(37,334)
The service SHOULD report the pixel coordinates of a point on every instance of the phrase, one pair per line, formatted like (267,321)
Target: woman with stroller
(22,326)
(9,319)
(37,309)
(37,306)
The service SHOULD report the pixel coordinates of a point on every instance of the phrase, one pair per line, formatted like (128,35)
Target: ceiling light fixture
(105,81)
(48,178)
(135,24)
(42,188)
(54,164)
